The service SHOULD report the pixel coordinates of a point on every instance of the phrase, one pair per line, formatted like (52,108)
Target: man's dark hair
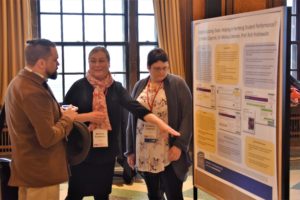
(155,55)
(37,49)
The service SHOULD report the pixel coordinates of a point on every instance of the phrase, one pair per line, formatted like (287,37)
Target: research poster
(235,68)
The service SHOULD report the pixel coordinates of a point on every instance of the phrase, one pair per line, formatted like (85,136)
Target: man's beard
(53,75)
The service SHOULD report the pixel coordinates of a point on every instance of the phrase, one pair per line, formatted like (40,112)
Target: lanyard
(155,94)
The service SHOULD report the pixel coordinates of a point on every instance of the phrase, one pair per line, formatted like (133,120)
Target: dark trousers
(80,197)
(6,192)
(163,182)
(91,179)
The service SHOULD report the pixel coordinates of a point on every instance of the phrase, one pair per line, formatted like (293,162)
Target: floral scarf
(99,100)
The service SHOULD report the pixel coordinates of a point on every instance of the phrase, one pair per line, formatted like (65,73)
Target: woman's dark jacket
(81,95)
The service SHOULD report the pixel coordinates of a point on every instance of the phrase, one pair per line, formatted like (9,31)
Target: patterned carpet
(137,190)
(295,184)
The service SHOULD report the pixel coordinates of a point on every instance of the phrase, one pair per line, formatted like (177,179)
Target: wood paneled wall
(235,6)
(198,9)
(240,6)
(185,22)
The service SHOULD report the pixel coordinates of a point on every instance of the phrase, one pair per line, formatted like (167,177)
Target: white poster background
(237,54)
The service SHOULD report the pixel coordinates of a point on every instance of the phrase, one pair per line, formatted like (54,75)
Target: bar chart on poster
(237,89)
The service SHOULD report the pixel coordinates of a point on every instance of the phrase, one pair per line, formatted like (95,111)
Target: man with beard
(37,126)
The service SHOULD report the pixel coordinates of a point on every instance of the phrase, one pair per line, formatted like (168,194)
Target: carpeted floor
(138,191)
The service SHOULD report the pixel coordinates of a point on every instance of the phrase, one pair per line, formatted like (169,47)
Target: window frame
(294,65)
(131,44)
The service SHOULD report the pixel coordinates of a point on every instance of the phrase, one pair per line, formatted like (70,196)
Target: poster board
(237,88)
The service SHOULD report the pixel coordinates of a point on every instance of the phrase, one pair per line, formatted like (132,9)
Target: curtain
(15,26)
(167,17)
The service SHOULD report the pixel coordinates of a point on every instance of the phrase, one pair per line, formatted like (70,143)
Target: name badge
(150,132)
(100,138)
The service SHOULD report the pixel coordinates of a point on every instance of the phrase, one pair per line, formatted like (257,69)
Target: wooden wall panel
(186,26)
(276,3)
(249,5)
(198,9)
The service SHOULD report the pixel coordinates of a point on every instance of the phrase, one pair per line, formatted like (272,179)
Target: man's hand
(70,113)
(174,153)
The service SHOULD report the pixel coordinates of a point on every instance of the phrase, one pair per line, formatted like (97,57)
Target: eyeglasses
(159,69)
(94,61)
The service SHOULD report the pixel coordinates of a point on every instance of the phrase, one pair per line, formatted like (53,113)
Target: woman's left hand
(174,153)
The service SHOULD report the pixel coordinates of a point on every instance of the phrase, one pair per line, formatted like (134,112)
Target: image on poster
(229,121)
(229,97)
(236,65)
(206,95)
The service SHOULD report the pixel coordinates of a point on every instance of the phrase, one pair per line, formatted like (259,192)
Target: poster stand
(284,193)
(241,105)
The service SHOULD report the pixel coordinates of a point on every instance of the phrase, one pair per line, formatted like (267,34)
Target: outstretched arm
(164,128)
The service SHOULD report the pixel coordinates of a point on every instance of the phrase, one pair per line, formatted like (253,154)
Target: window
(76,26)
(146,34)
(295,36)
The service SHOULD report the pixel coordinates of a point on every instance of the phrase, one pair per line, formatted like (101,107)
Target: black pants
(80,197)
(6,192)
(163,182)
(91,179)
